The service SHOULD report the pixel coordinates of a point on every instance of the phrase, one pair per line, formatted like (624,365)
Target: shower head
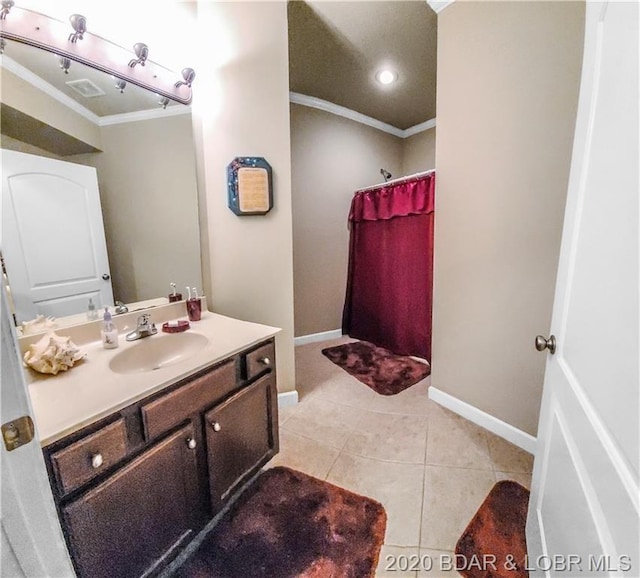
(386,174)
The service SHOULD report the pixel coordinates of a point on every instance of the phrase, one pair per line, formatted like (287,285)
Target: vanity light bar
(46,33)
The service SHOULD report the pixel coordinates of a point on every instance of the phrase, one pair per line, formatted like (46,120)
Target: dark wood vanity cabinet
(135,488)
(138,516)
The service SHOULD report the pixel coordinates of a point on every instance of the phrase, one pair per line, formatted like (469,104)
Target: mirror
(145,162)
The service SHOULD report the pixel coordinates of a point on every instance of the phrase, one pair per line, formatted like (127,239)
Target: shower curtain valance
(414,197)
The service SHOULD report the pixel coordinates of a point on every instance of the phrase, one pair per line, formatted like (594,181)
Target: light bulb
(386,76)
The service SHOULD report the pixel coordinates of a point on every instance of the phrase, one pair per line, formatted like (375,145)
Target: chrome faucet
(145,328)
(120,308)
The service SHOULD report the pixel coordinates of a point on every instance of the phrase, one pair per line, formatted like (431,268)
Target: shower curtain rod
(396,181)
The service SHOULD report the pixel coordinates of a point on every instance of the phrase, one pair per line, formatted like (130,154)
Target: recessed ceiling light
(386,76)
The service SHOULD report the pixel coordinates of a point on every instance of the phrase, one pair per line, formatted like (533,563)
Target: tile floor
(430,468)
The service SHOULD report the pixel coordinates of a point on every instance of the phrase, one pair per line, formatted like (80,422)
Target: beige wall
(508,79)
(12,144)
(419,152)
(21,95)
(331,157)
(147,180)
(241,108)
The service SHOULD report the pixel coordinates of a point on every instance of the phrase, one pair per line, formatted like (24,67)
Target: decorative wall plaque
(249,186)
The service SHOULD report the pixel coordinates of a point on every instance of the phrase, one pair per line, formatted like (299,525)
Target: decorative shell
(52,354)
(38,325)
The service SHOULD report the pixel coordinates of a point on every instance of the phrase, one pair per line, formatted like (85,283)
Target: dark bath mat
(290,525)
(497,529)
(384,372)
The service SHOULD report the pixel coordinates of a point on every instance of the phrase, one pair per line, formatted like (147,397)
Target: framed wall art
(249,186)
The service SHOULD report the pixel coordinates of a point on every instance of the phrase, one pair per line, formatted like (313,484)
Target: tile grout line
(424,486)
(493,465)
(326,478)
(306,437)
(381,460)
(340,452)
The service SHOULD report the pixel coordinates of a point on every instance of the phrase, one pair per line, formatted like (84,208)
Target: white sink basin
(157,351)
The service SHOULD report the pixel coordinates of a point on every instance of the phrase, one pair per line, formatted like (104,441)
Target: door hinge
(17,432)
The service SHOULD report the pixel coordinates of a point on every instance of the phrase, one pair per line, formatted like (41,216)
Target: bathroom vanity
(141,460)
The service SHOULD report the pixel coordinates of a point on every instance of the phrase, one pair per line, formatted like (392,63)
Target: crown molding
(418,128)
(149,114)
(325,105)
(34,80)
(296,98)
(439,5)
(318,103)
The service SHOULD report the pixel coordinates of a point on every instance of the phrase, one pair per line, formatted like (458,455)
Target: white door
(32,544)
(53,239)
(585,497)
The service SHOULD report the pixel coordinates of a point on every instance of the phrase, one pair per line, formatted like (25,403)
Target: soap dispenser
(109,331)
(92,314)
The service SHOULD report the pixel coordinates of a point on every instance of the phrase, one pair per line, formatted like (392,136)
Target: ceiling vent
(85,87)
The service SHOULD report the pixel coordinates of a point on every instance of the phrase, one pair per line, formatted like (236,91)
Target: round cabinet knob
(96,461)
(265,361)
(191,443)
(106,276)
(542,343)
(216,426)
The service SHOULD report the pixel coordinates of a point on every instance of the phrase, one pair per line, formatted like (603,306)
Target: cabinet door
(242,435)
(139,517)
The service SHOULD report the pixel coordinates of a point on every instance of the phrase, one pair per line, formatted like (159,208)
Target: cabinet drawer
(173,408)
(260,360)
(80,461)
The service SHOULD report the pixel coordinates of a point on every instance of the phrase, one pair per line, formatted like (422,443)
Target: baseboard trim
(287,398)
(501,428)
(313,337)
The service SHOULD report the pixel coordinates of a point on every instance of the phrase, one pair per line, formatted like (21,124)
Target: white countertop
(90,390)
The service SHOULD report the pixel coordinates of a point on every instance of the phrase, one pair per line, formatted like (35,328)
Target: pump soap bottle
(92,314)
(109,331)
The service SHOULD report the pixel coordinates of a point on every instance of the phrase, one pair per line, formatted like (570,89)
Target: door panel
(241,436)
(563,476)
(585,498)
(53,236)
(141,514)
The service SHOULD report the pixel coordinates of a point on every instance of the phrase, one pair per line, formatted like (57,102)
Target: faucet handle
(144,319)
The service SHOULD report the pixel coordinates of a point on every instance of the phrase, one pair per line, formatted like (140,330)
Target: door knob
(191,443)
(542,343)
(106,276)
(216,426)
(265,361)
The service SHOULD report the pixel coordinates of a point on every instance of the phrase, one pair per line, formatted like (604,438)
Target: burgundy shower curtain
(390,278)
